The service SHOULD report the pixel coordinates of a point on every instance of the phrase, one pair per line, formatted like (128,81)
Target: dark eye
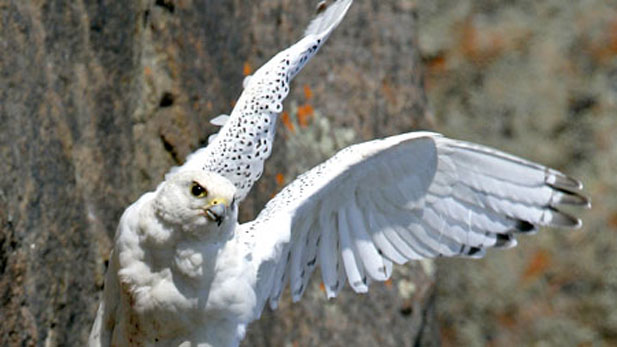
(198,191)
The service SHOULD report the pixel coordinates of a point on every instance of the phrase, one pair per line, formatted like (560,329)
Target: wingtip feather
(329,16)
(473,252)
(505,241)
(558,180)
(526,227)
(563,220)
(570,198)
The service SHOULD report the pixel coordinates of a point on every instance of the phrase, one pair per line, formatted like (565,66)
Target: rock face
(537,79)
(98,99)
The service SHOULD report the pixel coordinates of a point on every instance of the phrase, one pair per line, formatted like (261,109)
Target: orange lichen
(388,92)
(538,264)
(612,32)
(435,68)
(280,179)
(481,46)
(388,283)
(308,93)
(612,220)
(506,319)
(304,113)
(306,110)
(246,69)
(603,49)
(322,287)
(436,65)
(287,122)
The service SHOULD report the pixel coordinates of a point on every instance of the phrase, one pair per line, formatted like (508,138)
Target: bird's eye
(198,191)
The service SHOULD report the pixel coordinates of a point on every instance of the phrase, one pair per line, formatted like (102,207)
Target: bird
(235,155)
(244,142)
(184,272)
(163,283)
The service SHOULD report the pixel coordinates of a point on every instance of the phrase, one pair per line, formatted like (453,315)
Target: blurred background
(98,99)
(538,79)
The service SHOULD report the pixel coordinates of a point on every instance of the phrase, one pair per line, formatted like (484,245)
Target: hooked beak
(215,211)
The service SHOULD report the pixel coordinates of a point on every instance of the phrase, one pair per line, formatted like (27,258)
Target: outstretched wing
(245,140)
(412,196)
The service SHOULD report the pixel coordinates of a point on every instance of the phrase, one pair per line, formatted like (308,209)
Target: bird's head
(197,201)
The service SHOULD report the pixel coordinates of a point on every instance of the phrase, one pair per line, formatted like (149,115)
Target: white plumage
(176,275)
(181,276)
(245,140)
(183,272)
(407,197)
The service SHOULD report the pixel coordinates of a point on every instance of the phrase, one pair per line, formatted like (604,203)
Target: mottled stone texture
(98,99)
(538,79)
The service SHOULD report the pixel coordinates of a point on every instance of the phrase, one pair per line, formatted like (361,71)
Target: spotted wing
(245,140)
(407,197)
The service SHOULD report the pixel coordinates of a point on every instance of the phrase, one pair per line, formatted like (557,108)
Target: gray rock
(98,99)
